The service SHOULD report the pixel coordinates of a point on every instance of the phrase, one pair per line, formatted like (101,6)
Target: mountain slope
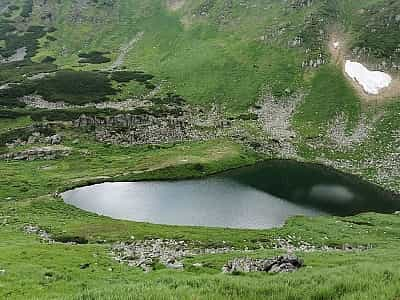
(170,89)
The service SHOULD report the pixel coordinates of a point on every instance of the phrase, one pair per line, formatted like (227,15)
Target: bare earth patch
(339,52)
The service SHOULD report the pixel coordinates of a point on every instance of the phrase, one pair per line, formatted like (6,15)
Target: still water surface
(260,196)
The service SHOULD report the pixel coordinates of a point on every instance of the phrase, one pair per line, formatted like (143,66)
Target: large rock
(45,153)
(287,263)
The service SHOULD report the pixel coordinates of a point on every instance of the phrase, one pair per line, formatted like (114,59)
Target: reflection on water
(261,196)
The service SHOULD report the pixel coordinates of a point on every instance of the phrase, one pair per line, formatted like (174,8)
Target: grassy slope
(205,62)
(330,94)
(52,271)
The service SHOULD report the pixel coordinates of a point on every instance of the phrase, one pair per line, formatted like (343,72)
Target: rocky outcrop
(144,254)
(292,244)
(43,234)
(36,137)
(315,61)
(300,3)
(44,153)
(279,264)
(19,55)
(37,101)
(276,116)
(82,12)
(148,129)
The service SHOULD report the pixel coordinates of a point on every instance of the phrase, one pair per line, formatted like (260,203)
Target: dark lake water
(259,196)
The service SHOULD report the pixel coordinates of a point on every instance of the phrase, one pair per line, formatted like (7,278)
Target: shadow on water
(316,186)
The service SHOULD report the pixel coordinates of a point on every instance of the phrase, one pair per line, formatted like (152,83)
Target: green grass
(330,95)
(34,270)
(214,57)
(204,62)
(39,271)
(10,124)
(31,179)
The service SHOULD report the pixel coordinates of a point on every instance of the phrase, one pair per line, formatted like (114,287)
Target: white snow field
(371,81)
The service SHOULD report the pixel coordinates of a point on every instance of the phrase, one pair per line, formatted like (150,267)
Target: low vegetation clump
(138,76)
(15,40)
(94,57)
(73,87)
(48,59)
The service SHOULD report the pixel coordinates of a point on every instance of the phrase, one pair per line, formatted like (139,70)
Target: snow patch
(336,45)
(371,81)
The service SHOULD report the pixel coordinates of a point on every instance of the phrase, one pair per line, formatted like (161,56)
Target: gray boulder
(279,264)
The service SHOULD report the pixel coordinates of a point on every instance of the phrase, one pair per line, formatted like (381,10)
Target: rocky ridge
(133,129)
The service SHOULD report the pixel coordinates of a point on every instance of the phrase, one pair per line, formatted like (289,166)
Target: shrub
(75,87)
(27,8)
(126,76)
(48,59)
(94,57)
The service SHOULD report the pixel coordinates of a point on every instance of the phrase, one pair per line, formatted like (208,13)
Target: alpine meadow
(200,149)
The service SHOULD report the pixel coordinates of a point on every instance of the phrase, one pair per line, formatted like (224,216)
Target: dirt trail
(124,52)
(339,52)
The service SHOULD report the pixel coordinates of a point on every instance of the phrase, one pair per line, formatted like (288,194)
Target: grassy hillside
(249,57)
(215,51)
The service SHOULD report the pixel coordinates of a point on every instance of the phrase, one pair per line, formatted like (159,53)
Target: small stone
(175,266)
(197,265)
(2,272)
(282,268)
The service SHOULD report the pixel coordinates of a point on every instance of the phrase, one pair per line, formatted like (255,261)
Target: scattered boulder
(279,264)
(175,266)
(54,139)
(170,253)
(45,153)
(198,265)
(43,235)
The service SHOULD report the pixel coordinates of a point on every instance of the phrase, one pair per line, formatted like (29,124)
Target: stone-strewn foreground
(287,263)
(144,254)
